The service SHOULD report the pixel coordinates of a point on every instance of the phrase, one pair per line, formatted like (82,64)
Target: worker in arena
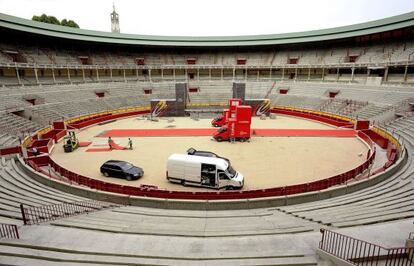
(130,143)
(110,142)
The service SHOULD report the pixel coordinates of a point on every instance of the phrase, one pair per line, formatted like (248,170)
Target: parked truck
(221,119)
(203,171)
(237,127)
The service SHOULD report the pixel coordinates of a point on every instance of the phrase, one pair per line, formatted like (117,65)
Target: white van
(203,172)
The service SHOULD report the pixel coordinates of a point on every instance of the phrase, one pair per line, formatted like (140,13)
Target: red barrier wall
(59,135)
(362,124)
(272,192)
(59,125)
(102,118)
(40,160)
(328,120)
(42,145)
(11,150)
(380,140)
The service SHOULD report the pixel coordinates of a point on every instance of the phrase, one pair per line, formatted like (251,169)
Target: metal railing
(360,252)
(9,231)
(39,214)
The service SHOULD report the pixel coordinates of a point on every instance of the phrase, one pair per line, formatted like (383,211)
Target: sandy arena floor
(264,161)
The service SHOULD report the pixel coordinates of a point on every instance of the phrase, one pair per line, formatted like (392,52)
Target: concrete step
(14,253)
(174,229)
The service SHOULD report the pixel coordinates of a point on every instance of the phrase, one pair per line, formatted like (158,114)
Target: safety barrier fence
(44,213)
(9,231)
(359,252)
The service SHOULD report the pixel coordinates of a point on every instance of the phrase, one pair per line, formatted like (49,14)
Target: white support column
(53,75)
(352,74)
(234,73)
(309,71)
(337,74)
(149,74)
(69,75)
(296,73)
(125,80)
(283,73)
(209,73)
(37,78)
(245,73)
(18,76)
(162,73)
(385,74)
(258,75)
(186,74)
(198,74)
(323,74)
(83,75)
(110,75)
(405,73)
(270,73)
(174,74)
(97,75)
(222,70)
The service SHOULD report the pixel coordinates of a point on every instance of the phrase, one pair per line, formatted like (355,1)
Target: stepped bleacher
(383,53)
(17,187)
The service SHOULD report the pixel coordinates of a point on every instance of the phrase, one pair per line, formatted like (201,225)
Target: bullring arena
(260,160)
(328,168)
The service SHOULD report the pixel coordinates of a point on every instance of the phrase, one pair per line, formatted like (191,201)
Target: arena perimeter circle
(265,162)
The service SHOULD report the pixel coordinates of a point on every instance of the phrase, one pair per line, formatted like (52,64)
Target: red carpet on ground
(84,143)
(114,147)
(305,132)
(186,132)
(98,150)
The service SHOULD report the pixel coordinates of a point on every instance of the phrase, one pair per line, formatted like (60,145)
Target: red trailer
(238,125)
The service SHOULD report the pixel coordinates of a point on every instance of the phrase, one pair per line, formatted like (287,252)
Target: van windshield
(231,172)
(222,129)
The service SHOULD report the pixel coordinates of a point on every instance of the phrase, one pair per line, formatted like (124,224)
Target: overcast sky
(211,17)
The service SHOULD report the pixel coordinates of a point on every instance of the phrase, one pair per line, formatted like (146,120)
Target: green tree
(73,24)
(53,20)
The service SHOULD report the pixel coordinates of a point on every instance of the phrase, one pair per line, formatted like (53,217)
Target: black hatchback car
(121,169)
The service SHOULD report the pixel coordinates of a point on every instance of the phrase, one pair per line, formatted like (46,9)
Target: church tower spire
(114,20)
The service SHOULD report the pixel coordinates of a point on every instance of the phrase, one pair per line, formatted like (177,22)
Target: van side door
(208,175)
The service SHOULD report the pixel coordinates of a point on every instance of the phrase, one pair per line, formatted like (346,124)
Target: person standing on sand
(110,142)
(130,143)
